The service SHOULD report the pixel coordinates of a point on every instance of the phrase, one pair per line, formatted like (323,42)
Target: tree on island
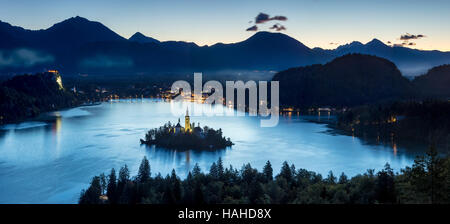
(175,137)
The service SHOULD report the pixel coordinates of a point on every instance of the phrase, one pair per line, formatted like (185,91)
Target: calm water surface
(50,160)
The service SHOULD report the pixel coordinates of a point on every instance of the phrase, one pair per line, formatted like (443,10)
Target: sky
(315,23)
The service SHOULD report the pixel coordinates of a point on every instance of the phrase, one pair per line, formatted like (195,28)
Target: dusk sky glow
(316,23)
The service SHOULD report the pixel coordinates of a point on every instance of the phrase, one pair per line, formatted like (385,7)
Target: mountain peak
(75,20)
(76,31)
(77,23)
(358,47)
(267,34)
(141,38)
(78,18)
(137,34)
(354,43)
(375,42)
(351,46)
(265,38)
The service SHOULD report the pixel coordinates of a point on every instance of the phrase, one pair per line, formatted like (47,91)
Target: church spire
(187,122)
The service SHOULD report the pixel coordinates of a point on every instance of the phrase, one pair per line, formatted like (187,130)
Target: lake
(52,158)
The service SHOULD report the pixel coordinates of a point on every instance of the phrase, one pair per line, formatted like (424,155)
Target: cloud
(278,27)
(263,17)
(23,58)
(253,28)
(406,39)
(408,36)
(332,43)
(102,61)
(279,18)
(405,43)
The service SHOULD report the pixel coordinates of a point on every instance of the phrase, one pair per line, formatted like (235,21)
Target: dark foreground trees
(427,181)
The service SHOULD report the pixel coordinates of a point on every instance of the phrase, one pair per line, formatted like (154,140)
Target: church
(188,127)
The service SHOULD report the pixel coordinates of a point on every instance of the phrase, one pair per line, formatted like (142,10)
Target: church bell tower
(187,122)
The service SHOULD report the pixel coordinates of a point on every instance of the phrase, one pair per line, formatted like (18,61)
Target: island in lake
(187,137)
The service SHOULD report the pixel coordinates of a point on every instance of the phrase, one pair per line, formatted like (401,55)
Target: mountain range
(80,46)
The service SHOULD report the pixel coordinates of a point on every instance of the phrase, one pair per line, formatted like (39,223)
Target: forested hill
(28,95)
(350,80)
(435,83)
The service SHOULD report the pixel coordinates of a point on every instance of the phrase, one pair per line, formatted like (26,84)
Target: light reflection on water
(51,162)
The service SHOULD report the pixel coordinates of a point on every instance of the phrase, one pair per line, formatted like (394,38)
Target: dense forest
(415,121)
(174,137)
(349,80)
(356,79)
(426,181)
(29,95)
(435,83)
